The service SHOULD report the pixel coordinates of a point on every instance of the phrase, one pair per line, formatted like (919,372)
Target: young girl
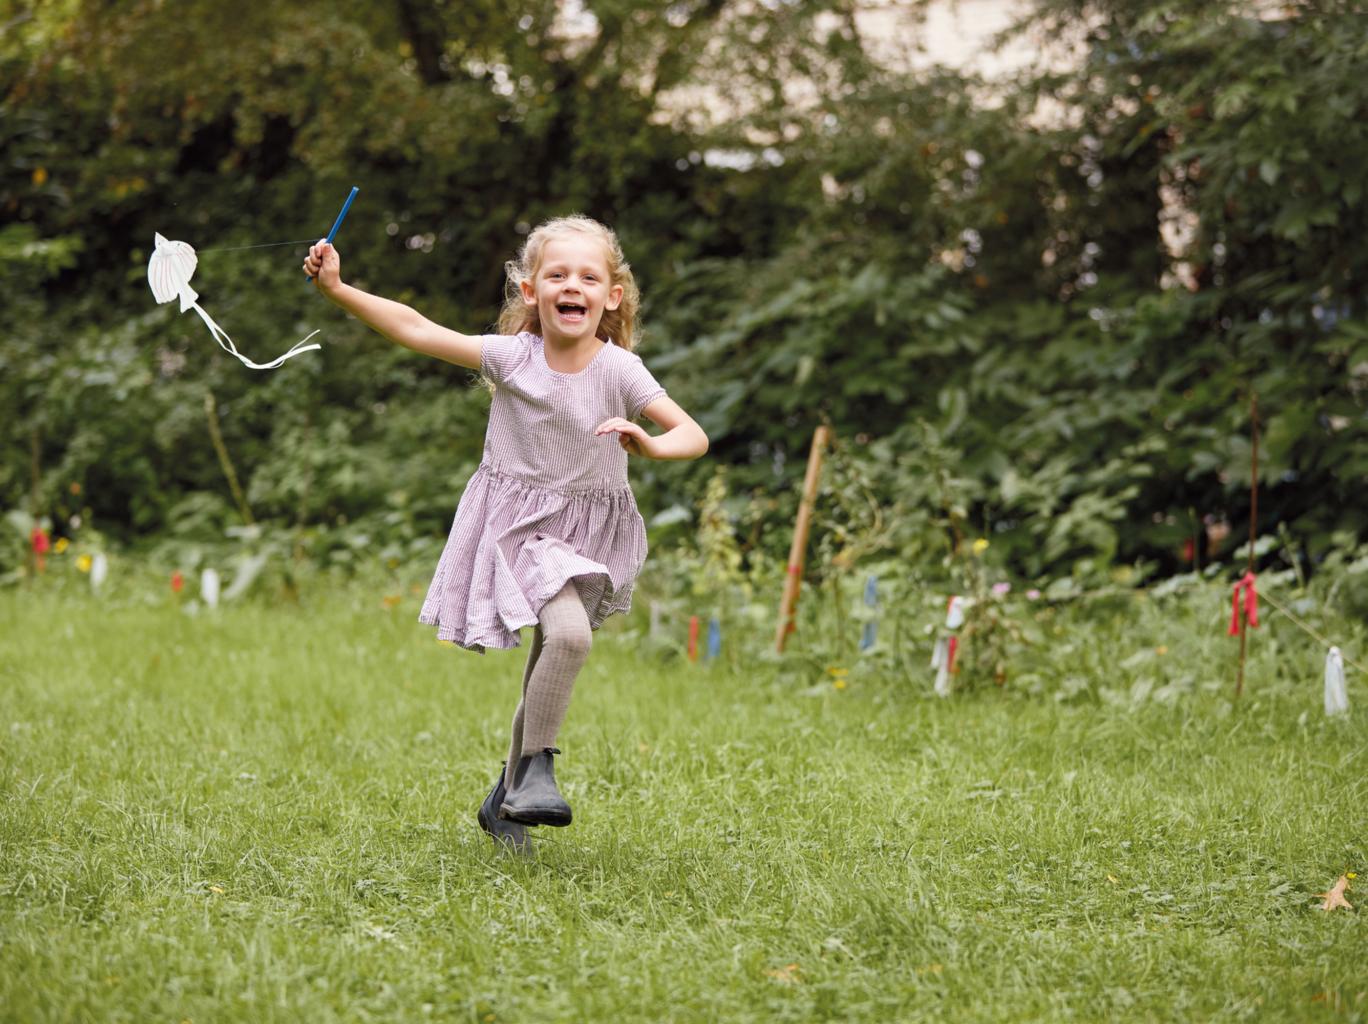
(547,533)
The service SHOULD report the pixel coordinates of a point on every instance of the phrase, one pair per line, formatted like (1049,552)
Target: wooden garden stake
(798,552)
(1253,526)
(35,557)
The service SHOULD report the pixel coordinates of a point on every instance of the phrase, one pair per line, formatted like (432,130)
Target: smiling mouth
(571,311)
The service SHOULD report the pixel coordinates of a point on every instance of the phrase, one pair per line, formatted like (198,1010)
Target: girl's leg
(531,798)
(566,638)
(515,747)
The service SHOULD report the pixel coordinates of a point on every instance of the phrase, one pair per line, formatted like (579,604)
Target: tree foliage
(1075,278)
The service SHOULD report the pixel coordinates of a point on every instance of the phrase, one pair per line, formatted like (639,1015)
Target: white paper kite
(169,272)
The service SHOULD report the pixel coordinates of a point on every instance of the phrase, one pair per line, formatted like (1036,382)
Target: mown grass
(267,814)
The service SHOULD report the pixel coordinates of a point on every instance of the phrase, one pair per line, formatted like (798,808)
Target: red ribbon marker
(1251,603)
(41,544)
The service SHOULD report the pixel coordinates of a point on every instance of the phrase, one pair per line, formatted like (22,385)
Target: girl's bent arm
(683,438)
(401,324)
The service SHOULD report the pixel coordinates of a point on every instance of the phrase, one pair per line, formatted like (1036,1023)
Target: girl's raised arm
(401,324)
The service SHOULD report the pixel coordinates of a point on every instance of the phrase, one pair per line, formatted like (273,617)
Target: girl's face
(572,287)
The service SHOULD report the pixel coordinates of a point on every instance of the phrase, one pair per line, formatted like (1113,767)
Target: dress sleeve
(639,388)
(501,354)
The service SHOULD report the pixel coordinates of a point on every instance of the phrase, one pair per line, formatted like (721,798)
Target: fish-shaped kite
(169,272)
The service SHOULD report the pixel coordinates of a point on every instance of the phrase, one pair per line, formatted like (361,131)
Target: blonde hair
(618,325)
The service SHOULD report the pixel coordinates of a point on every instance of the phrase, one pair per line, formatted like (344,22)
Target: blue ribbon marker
(340,217)
(871,627)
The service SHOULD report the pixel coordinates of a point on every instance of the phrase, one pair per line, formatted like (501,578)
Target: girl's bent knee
(573,643)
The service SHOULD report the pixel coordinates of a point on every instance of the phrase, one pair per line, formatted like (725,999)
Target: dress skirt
(514,545)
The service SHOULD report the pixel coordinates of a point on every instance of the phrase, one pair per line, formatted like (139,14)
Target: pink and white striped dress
(549,502)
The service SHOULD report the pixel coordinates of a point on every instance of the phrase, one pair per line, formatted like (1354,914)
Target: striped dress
(549,501)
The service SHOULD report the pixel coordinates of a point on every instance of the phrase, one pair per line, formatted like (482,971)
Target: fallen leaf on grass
(788,974)
(1335,897)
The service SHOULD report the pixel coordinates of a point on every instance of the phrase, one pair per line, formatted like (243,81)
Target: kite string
(264,245)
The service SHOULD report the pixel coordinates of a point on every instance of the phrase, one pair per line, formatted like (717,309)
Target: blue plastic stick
(714,638)
(341,216)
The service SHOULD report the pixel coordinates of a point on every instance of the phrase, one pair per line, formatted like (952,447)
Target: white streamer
(1336,694)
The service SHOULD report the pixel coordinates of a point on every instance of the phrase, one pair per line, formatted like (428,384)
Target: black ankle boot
(534,798)
(512,834)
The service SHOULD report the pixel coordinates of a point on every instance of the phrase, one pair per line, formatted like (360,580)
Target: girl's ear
(529,292)
(614,297)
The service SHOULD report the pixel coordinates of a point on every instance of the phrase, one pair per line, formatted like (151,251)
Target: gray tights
(560,643)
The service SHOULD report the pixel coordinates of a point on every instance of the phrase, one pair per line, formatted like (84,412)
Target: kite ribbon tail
(226,343)
(295,350)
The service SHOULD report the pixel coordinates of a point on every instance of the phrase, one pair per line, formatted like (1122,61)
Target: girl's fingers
(321,254)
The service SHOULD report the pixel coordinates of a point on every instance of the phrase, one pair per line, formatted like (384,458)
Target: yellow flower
(61,545)
(83,563)
(980,546)
(837,670)
(1161,650)
(840,684)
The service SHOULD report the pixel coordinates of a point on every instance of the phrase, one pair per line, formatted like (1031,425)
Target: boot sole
(557,816)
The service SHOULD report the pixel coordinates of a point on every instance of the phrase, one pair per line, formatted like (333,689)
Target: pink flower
(39,539)
(1033,594)
(1001,588)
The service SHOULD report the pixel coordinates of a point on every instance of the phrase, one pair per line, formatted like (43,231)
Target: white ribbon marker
(209,587)
(1336,695)
(169,272)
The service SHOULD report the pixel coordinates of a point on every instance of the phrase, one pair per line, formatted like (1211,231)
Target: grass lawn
(268,814)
